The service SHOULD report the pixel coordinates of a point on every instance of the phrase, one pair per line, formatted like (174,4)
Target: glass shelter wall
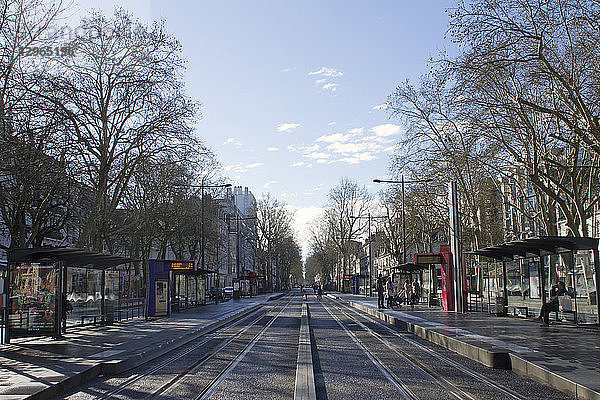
(530,281)
(84,292)
(32,303)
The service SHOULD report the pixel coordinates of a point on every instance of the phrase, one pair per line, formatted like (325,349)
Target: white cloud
(336,137)
(347,148)
(317,155)
(269,184)
(311,149)
(326,71)
(319,81)
(287,127)
(254,165)
(273,149)
(288,69)
(383,106)
(391,148)
(357,158)
(234,168)
(301,164)
(233,141)
(386,130)
(330,86)
(357,131)
(332,123)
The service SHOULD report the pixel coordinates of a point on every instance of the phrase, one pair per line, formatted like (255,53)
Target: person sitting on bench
(552,305)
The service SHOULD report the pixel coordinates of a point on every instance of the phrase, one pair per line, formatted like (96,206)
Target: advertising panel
(32,299)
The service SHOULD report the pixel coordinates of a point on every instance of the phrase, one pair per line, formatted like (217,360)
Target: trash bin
(109,312)
(501,306)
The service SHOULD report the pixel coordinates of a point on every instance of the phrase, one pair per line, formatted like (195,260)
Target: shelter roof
(73,257)
(410,267)
(537,246)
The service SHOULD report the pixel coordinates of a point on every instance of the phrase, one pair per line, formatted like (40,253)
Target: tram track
(212,386)
(453,389)
(199,343)
(195,350)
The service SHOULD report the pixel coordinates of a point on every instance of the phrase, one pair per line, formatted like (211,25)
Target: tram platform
(562,355)
(39,368)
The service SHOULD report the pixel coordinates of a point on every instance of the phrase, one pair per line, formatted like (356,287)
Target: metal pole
(369,270)
(597,274)
(202,240)
(237,245)
(403,225)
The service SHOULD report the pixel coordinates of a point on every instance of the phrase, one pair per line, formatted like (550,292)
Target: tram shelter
(35,288)
(175,285)
(522,272)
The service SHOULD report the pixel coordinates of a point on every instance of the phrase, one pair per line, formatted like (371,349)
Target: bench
(522,311)
(90,317)
(566,307)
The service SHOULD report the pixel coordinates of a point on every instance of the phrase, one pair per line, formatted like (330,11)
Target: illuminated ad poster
(32,298)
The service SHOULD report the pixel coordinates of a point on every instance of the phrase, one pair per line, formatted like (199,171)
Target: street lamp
(402,182)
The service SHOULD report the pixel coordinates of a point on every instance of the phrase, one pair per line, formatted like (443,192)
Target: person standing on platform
(380,291)
(416,291)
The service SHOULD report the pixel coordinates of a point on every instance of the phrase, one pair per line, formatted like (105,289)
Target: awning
(73,257)
(537,246)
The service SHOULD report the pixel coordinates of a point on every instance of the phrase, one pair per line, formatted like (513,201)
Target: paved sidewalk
(563,355)
(41,367)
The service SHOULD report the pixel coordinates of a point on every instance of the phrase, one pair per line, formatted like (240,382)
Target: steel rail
(441,381)
(205,339)
(508,392)
(402,388)
(212,387)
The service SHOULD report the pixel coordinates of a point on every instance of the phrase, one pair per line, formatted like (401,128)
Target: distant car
(228,291)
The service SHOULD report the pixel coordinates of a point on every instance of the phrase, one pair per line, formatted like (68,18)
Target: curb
(305,378)
(275,296)
(527,368)
(116,366)
(491,356)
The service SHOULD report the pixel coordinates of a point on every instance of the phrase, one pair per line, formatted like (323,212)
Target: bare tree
(34,177)
(529,79)
(273,225)
(440,144)
(123,97)
(348,202)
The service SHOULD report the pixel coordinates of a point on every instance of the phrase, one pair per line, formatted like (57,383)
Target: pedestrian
(380,291)
(552,305)
(390,293)
(416,291)
(407,292)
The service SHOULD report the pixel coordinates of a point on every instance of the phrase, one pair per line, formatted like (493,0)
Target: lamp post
(402,182)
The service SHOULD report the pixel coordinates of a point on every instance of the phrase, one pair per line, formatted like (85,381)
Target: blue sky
(290,89)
